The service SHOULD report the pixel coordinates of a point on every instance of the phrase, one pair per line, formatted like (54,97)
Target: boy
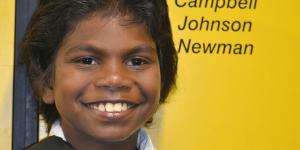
(100,69)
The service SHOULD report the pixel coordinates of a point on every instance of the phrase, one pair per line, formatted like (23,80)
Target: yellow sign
(239,76)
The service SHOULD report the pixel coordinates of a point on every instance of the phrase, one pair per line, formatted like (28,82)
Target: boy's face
(107,80)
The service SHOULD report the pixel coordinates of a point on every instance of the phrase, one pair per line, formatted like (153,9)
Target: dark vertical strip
(25,117)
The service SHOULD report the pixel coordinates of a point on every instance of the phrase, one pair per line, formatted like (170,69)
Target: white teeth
(101,107)
(110,107)
(124,107)
(118,107)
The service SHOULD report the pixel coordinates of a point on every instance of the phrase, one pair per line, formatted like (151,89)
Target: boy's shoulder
(51,143)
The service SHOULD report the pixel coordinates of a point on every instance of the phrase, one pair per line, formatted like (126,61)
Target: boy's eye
(86,61)
(137,62)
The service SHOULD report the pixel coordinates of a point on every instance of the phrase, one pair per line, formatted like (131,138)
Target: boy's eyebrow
(143,48)
(88,48)
(100,51)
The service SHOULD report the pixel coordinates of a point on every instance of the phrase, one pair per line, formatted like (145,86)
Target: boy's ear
(48,96)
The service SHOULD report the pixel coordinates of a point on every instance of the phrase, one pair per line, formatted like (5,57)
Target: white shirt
(143,142)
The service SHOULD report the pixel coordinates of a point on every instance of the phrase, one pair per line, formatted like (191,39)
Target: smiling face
(107,81)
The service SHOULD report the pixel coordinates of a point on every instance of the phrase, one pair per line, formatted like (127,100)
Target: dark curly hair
(53,20)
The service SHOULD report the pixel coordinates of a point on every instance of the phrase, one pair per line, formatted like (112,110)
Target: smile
(111,107)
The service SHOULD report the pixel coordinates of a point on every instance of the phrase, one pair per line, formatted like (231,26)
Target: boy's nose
(113,78)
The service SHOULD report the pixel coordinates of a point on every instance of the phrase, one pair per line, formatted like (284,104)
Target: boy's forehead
(105,31)
(126,21)
(113,22)
(100,21)
(121,19)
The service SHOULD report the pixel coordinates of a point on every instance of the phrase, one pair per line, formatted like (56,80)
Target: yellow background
(222,102)
(237,102)
(7,21)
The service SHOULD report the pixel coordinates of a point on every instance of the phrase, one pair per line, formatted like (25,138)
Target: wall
(7,21)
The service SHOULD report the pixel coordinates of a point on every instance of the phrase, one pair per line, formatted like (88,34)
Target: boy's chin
(110,137)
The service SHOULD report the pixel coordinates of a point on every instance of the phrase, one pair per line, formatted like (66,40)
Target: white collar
(143,142)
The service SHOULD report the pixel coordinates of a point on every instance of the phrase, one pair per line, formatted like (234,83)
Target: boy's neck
(84,144)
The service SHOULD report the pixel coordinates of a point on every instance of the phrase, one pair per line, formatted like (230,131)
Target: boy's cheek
(69,82)
(152,82)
